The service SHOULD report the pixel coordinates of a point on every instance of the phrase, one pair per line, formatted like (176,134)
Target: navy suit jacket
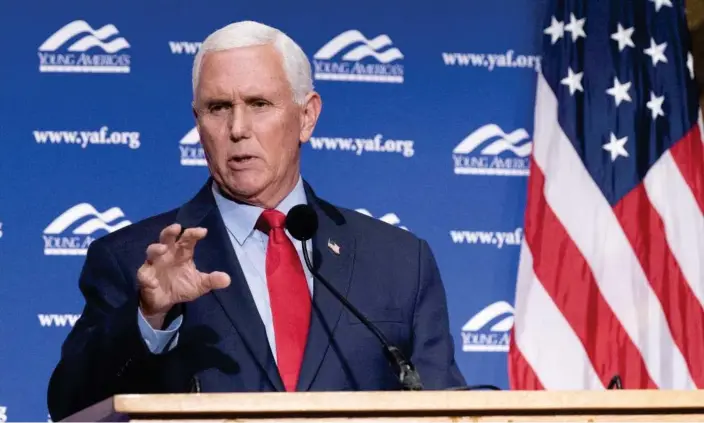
(388,273)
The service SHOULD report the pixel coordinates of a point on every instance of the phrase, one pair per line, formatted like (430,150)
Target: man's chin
(244,189)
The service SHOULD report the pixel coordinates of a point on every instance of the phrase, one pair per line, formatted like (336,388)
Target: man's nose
(240,124)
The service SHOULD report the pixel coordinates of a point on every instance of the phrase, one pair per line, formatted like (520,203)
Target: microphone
(615,383)
(195,385)
(302,223)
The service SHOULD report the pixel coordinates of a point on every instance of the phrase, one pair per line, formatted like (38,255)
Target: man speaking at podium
(217,295)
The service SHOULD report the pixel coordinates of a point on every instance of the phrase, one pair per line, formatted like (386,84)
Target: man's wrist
(155,319)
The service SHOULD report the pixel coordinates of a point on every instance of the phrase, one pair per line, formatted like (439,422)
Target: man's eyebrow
(216,100)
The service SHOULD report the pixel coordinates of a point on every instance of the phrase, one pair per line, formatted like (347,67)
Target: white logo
(192,153)
(73,57)
(85,138)
(3,414)
(389,218)
(352,66)
(364,145)
(479,335)
(483,152)
(79,239)
(0,229)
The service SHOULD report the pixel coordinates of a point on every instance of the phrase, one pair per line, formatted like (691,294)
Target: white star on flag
(573,81)
(556,30)
(661,3)
(623,36)
(576,27)
(616,146)
(619,91)
(656,52)
(690,65)
(655,105)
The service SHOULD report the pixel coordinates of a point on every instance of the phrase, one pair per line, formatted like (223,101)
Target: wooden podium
(428,406)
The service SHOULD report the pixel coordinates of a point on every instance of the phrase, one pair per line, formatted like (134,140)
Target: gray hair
(249,33)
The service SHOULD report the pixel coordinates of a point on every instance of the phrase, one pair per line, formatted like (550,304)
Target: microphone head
(302,222)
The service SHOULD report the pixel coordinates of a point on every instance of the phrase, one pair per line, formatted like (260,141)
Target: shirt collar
(240,218)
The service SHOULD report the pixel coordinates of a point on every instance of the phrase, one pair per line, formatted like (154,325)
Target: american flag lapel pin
(332,245)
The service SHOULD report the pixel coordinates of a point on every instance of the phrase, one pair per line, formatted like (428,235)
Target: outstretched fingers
(216,280)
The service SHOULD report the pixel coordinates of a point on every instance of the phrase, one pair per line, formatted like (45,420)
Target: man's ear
(309,115)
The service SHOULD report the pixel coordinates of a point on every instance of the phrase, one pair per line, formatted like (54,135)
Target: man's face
(249,125)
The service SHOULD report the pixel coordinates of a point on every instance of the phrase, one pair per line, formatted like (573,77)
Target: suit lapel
(333,258)
(215,252)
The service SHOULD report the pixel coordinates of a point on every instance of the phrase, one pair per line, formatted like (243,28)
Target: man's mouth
(244,158)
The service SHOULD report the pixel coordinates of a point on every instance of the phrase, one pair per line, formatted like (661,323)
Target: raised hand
(169,275)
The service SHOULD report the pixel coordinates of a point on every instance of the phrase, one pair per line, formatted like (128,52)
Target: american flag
(611,273)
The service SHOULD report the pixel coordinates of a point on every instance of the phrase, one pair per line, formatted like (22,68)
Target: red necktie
(289,297)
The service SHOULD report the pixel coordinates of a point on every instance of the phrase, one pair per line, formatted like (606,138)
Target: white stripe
(398,79)
(590,222)
(194,162)
(545,338)
(65,251)
(672,199)
(84,69)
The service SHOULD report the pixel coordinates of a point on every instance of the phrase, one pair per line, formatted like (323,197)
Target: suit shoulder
(377,229)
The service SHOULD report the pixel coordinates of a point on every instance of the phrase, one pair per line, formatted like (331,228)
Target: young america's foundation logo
(59,240)
(350,56)
(491,151)
(66,50)
(489,330)
(192,153)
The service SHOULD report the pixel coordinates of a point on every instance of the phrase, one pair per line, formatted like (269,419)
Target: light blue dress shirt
(250,246)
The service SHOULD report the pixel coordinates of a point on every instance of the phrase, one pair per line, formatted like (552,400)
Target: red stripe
(685,317)
(689,157)
(566,276)
(520,373)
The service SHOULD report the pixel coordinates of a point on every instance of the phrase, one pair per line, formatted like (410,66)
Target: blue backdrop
(429,130)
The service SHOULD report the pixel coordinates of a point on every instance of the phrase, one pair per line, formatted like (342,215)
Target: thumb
(217,280)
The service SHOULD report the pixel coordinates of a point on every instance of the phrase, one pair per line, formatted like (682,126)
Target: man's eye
(216,108)
(259,103)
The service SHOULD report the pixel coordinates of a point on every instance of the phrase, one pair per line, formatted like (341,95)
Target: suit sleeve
(104,354)
(433,346)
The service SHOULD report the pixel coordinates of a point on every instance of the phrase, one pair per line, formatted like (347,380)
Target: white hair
(249,33)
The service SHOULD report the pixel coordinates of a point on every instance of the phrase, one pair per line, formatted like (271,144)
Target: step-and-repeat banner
(429,129)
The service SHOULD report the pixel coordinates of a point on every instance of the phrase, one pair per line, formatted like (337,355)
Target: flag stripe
(685,317)
(521,374)
(590,222)
(546,341)
(670,196)
(688,154)
(597,327)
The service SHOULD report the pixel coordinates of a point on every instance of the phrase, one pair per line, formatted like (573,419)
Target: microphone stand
(407,374)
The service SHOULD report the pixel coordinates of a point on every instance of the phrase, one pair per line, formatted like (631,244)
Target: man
(215,294)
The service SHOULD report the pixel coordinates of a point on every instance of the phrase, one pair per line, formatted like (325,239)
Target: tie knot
(271,219)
